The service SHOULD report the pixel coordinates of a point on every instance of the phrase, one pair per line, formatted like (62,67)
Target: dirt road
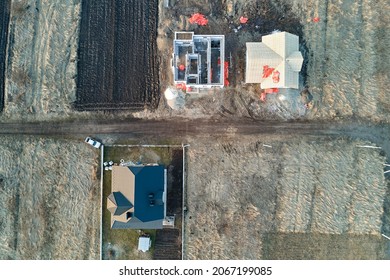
(178,130)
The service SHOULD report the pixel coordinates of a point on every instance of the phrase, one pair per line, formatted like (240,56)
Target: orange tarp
(271,90)
(243,20)
(267,71)
(226,73)
(198,19)
(267,91)
(275,76)
(181,86)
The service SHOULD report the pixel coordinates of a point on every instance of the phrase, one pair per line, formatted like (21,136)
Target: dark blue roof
(121,202)
(149,187)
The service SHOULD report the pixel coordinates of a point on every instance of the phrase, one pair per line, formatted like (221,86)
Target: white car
(93,142)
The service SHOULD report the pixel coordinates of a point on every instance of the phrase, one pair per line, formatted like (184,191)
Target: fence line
(147,146)
(183,207)
(101,200)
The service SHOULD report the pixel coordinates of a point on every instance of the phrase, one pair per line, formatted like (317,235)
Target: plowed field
(117,65)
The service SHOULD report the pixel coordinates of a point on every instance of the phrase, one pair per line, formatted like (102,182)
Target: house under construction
(198,60)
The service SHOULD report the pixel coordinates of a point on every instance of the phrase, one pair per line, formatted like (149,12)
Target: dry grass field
(241,192)
(348,57)
(50,199)
(41,64)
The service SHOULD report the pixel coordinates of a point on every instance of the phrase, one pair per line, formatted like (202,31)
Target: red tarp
(267,91)
(181,86)
(198,19)
(182,67)
(243,20)
(271,90)
(226,74)
(316,19)
(275,76)
(267,71)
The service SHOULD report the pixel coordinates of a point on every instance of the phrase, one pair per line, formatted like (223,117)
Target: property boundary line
(183,207)
(101,200)
(183,146)
(146,146)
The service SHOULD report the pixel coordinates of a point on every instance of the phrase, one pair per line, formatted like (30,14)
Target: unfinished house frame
(198,60)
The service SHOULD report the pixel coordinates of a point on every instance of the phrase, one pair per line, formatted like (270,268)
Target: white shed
(144,243)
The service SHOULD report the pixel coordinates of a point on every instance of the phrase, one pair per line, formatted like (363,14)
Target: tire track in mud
(34,65)
(41,39)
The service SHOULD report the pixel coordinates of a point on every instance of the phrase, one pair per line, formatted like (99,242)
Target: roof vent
(151,202)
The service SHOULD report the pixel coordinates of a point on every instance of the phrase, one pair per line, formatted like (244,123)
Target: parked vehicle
(93,142)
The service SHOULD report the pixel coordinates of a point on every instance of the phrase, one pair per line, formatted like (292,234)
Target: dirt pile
(50,199)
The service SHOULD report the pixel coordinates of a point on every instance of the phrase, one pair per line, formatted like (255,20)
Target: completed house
(275,62)
(138,197)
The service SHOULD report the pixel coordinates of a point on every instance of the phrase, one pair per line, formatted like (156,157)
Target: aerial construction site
(270,119)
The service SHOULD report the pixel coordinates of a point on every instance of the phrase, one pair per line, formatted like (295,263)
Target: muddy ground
(345,67)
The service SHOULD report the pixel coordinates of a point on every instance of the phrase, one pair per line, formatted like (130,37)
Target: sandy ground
(50,199)
(241,189)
